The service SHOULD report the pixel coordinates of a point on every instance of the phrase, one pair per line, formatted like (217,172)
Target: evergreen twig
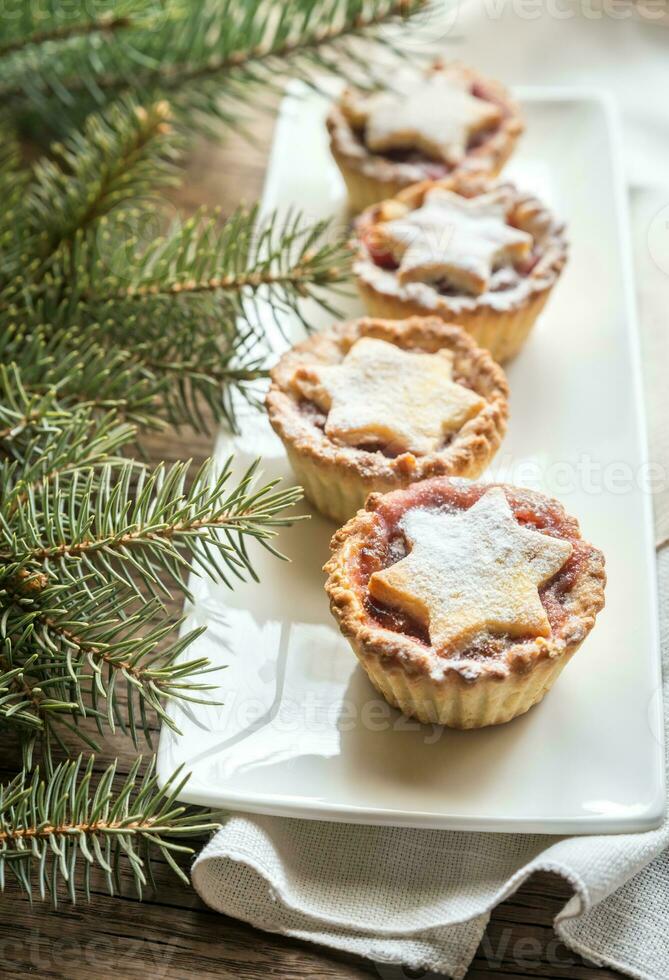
(209,58)
(154,328)
(48,828)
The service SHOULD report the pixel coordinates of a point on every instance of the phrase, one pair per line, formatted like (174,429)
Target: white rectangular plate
(301,732)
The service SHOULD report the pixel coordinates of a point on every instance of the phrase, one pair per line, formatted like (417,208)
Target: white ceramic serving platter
(301,732)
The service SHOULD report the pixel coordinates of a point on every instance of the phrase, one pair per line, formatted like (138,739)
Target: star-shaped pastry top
(379,393)
(470,572)
(455,239)
(433,113)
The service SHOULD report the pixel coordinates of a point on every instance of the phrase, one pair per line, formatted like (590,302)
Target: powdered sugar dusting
(405,400)
(433,113)
(455,240)
(478,570)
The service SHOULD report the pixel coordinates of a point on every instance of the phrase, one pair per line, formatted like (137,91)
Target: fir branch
(245,43)
(59,359)
(22,410)
(85,646)
(246,253)
(118,156)
(180,308)
(31,698)
(48,828)
(209,58)
(100,525)
(21,700)
(118,652)
(163,329)
(64,32)
(150,363)
(14,180)
(79,443)
(36,24)
(76,508)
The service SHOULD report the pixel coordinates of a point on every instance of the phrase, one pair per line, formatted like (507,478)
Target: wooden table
(172,934)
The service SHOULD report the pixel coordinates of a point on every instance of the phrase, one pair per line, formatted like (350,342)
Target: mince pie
(464,601)
(423,125)
(477,253)
(374,405)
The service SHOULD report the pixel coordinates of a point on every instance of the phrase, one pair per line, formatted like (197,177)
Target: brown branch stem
(98,827)
(255,280)
(65,32)
(138,537)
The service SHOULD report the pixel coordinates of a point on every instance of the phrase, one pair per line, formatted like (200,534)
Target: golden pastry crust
(498,320)
(372,177)
(456,690)
(338,478)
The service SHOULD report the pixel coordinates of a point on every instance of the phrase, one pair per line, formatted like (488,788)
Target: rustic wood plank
(172,934)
